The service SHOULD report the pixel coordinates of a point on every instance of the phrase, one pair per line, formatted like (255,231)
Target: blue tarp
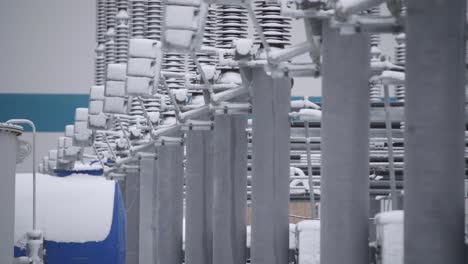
(109,251)
(65,173)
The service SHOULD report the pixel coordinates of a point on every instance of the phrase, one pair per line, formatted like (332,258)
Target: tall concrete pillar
(146,206)
(8,141)
(345,148)
(169,205)
(230,189)
(270,175)
(132,216)
(199,197)
(122,190)
(434,132)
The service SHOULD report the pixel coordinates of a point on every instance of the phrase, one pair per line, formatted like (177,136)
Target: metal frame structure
(183,92)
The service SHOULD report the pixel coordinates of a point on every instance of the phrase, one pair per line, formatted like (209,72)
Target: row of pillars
(216,165)
(434,139)
(216,189)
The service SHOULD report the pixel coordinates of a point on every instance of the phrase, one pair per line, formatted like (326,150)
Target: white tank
(8,149)
(390,236)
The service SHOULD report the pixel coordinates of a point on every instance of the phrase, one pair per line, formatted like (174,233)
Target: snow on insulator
(125,121)
(210,27)
(375,93)
(174,62)
(276,28)
(192,67)
(110,46)
(100,65)
(152,107)
(121,37)
(138,18)
(137,119)
(101,27)
(122,5)
(375,38)
(111,12)
(100,143)
(400,60)
(400,49)
(307,114)
(154,19)
(122,125)
(403,9)
(232,24)
(136,110)
(209,39)
(400,93)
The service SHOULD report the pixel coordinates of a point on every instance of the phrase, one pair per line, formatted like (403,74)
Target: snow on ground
(81,166)
(309,241)
(292,236)
(78,208)
(390,236)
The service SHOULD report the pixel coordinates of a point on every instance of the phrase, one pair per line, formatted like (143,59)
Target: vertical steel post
(434,132)
(147,204)
(270,175)
(230,189)
(8,141)
(132,216)
(345,148)
(313,213)
(199,197)
(169,205)
(388,130)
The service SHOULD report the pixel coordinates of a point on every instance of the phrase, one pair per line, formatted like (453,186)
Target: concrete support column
(8,141)
(147,205)
(132,216)
(169,206)
(230,189)
(122,190)
(345,148)
(434,131)
(270,175)
(199,197)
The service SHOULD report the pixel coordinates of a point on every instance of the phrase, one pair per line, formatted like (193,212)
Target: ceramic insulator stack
(375,38)
(111,12)
(175,62)
(231,25)
(138,18)
(276,28)
(375,93)
(154,20)
(400,59)
(101,23)
(100,65)
(110,46)
(122,36)
(101,30)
